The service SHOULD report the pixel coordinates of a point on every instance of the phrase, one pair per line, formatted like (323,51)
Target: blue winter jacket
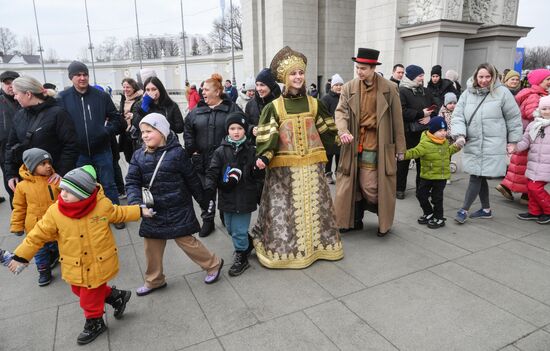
(173,186)
(95,118)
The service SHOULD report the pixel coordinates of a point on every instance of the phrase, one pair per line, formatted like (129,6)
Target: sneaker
(461,216)
(435,223)
(118,299)
(527,216)
(240,264)
(206,229)
(544,219)
(211,278)
(120,226)
(424,219)
(505,192)
(44,277)
(400,195)
(481,213)
(2,199)
(92,329)
(122,196)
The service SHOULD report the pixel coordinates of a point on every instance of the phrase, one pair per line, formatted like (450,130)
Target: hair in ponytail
(216,81)
(32,85)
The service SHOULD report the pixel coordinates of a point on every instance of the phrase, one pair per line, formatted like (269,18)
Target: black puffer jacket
(331,100)
(205,130)
(254,108)
(243,197)
(170,110)
(8,107)
(55,133)
(414,101)
(439,90)
(172,188)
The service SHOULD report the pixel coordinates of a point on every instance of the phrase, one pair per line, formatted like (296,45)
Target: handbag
(146,195)
(417,126)
(16,151)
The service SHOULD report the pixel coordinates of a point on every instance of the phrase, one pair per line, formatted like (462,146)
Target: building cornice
(460,28)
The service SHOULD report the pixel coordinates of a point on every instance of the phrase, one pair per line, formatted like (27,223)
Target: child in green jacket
(434,152)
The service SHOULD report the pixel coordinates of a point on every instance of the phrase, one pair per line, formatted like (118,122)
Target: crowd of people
(270,147)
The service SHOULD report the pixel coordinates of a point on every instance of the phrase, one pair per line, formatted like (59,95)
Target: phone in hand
(432,107)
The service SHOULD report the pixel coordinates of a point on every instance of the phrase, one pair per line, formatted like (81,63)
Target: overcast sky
(63,22)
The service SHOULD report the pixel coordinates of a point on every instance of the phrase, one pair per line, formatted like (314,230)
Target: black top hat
(367,56)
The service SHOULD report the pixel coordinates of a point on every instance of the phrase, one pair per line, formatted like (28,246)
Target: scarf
(235,143)
(538,124)
(435,139)
(77,209)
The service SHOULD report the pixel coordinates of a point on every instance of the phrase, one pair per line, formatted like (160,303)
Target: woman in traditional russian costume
(296,222)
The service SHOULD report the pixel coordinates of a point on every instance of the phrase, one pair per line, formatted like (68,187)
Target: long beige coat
(391,140)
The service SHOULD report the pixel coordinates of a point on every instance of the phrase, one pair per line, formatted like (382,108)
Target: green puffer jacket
(435,158)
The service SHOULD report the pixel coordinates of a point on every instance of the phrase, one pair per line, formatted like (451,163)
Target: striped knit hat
(81,182)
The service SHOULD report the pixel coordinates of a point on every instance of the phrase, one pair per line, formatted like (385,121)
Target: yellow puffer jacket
(31,199)
(87,247)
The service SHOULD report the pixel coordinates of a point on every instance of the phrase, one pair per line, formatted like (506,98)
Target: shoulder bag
(146,195)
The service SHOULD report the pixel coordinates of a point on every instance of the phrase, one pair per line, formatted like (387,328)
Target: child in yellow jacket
(32,197)
(79,221)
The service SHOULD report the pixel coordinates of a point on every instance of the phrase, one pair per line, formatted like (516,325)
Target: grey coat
(496,123)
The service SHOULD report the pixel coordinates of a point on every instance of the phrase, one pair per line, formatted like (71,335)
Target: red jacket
(193,99)
(528,101)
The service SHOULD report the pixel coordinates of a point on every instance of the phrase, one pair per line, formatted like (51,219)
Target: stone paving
(484,285)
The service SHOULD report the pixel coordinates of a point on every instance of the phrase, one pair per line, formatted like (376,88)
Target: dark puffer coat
(254,108)
(439,90)
(205,130)
(174,184)
(55,133)
(243,197)
(170,110)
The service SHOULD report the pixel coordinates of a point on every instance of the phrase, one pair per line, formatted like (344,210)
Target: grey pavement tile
(537,341)
(507,225)
(272,293)
(425,312)
(527,250)
(429,241)
(374,260)
(291,332)
(210,345)
(345,329)
(33,331)
(122,236)
(169,319)
(223,307)
(333,279)
(509,348)
(70,322)
(502,296)
(540,239)
(518,272)
(129,276)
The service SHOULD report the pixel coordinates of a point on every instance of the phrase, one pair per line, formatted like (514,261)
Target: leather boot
(240,264)
(92,329)
(118,299)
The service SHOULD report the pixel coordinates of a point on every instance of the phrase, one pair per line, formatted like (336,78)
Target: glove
(196,160)
(146,102)
(18,233)
(231,178)
(460,142)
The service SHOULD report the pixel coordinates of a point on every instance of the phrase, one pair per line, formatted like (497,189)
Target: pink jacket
(528,101)
(538,164)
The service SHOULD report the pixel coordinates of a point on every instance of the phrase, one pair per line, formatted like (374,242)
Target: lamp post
(91,47)
(138,40)
(232,43)
(40,49)
(184,44)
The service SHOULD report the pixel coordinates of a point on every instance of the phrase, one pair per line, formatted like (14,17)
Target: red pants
(539,198)
(92,301)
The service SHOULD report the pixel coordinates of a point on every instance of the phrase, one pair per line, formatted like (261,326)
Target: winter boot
(250,245)
(92,329)
(207,228)
(118,299)
(240,264)
(44,275)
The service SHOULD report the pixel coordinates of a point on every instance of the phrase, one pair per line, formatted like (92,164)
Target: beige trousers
(193,248)
(368,182)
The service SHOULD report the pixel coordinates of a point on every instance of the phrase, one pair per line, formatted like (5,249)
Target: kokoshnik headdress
(285,61)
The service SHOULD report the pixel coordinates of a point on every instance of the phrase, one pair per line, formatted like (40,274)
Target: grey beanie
(450,97)
(76,67)
(81,182)
(33,157)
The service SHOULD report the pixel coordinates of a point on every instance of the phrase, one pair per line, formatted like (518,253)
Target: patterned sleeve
(267,137)
(325,125)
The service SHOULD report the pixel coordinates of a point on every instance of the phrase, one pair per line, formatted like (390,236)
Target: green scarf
(235,143)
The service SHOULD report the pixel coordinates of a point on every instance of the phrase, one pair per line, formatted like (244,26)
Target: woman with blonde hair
(42,124)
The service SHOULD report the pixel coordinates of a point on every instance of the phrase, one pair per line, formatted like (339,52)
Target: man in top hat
(8,107)
(370,127)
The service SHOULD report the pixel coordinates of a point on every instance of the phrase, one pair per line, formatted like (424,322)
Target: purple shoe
(213,277)
(143,290)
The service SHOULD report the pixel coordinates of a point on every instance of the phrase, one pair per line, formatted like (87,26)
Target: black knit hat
(8,75)
(436,70)
(265,76)
(236,117)
(413,71)
(437,123)
(76,67)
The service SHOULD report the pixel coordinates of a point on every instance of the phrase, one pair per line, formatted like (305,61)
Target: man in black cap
(370,127)
(96,119)
(8,107)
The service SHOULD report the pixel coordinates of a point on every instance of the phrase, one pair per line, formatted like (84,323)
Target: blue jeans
(42,257)
(237,226)
(103,164)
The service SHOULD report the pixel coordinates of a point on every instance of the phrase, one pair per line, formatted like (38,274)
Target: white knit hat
(157,121)
(336,79)
(250,84)
(145,73)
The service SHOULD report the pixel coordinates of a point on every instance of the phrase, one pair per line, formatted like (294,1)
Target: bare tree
(204,46)
(7,40)
(83,54)
(220,35)
(51,56)
(28,46)
(195,47)
(536,57)
(169,46)
(106,50)
(126,51)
